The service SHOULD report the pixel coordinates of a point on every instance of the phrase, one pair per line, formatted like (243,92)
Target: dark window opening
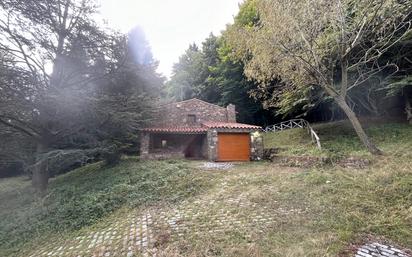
(191,119)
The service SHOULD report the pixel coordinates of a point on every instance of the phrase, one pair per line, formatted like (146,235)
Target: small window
(191,119)
(164,143)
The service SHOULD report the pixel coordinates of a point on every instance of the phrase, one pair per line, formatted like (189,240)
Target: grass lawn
(338,139)
(252,209)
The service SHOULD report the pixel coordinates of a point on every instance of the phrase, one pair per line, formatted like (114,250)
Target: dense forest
(73,91)
(320,60)
(223,68)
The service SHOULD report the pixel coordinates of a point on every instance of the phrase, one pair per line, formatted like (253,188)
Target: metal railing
(295,123)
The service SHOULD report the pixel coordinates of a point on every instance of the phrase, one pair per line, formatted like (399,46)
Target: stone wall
(212,141)
(231,113)
(256,146)
(144,144)
(177,114)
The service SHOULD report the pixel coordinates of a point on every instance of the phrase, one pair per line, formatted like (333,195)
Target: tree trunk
(40,177)
(408,108)
(358,127)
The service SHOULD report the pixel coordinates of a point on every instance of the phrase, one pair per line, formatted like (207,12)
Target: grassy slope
(377,200)
(86,195)
(342,206)
(338,139)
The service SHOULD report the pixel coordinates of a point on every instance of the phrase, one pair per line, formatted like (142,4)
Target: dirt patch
(314,161)
(268,153)
(354,163)
(299,161)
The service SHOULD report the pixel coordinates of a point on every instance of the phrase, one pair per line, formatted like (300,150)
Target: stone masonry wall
(231,113)
(212,145)
(144,144)
(176,114)
(256,147)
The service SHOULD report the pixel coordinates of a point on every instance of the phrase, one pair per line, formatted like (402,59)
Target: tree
(207,89)
(210,74)
(401,83)
(49,35)
(188,72)
(125,101)
(68,90)
(230,86)
(336,45)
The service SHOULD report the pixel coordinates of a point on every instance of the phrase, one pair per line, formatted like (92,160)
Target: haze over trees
(69,87)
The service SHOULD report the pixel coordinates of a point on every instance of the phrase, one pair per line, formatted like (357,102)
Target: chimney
(231,113)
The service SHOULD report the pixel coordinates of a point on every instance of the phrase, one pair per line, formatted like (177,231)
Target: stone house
(200,130)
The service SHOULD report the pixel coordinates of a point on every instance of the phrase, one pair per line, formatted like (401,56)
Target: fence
(295,123)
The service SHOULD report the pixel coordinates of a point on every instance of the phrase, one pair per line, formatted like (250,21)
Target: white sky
(170,25)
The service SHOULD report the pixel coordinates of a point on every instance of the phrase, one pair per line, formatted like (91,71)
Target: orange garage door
(233,147)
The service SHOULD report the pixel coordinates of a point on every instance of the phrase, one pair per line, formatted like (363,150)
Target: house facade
(200,130)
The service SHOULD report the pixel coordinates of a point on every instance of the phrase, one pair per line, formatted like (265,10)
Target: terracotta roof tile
(205,127)
(229,125)
(177,129)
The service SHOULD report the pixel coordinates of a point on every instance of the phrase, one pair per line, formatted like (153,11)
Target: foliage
(210,74)
(399,85)
(95,96)
(187,73)
(335,45)
(124,102)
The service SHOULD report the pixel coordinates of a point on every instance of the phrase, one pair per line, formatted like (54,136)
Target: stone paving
(217,165)
(380,250)
(140,234)
(117,239)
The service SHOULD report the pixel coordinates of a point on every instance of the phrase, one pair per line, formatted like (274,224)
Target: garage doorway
(233,147)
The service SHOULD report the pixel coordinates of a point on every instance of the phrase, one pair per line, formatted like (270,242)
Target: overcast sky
(170,25)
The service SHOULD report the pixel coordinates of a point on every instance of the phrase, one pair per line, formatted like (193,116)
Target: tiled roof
(205,127)
(177,129)
(229,125)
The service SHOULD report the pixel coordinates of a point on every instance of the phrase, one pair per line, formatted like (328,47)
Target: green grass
(340,207)
(338,139)
(86,195)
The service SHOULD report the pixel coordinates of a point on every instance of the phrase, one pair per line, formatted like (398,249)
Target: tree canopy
(70,86)
(211,74)
(334,45)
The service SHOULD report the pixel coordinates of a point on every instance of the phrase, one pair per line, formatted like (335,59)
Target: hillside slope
(85,196)
(338,139)
(176,208)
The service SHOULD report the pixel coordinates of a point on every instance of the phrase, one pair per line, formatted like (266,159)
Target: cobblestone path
(138,234)
(380,250)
